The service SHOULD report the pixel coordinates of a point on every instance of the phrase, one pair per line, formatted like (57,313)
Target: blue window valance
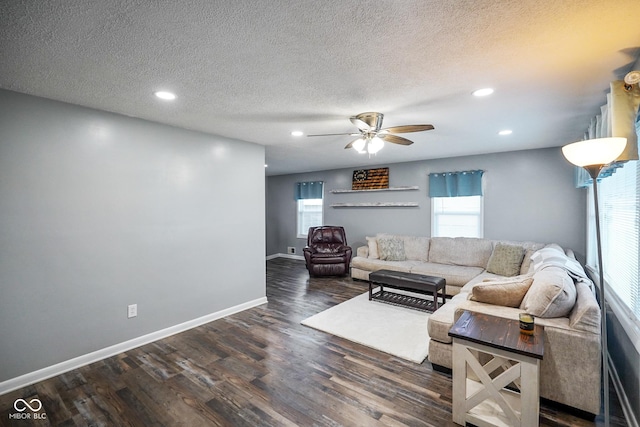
(308,190)
(455,184)
(582,178)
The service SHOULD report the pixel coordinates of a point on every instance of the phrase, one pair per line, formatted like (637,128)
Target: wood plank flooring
(258,368)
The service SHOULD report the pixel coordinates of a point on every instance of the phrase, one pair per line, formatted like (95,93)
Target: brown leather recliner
(327,253)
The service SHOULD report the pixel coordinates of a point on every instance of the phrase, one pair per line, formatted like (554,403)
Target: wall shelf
(413,187)
(376,205)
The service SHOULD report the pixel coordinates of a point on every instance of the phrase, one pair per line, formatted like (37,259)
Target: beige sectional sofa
(546,281)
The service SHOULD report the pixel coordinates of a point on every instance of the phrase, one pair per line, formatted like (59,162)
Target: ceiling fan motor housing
(374,120)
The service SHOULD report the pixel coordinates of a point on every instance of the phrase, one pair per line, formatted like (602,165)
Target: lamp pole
(594,171)
(593,155)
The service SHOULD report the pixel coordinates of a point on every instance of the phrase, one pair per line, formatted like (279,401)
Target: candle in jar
(526,323)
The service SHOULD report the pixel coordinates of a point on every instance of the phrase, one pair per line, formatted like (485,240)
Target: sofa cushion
(369,264)
(506,293)
(391,249)
(506,260)
(585,315)
(482,277)
(465,251)
(455,275)
(416,248)
(552,293)
(372,245)
(526,261)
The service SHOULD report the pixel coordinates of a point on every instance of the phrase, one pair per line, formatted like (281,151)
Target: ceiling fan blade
(395,139)
(363,126)
(408,128)
(335,134)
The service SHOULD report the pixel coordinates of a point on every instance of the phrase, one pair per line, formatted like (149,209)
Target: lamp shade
(599,151)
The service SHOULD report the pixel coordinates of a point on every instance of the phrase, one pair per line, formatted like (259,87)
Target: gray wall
(529,195)
(98,211)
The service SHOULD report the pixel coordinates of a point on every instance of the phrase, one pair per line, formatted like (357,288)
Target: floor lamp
(593,155)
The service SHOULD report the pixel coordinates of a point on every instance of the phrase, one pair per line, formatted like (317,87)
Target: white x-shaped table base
(479,393)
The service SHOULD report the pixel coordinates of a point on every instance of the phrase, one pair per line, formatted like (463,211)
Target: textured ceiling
(255,70)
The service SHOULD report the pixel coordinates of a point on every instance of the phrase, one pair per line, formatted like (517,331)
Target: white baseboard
(280,255)
(77,362)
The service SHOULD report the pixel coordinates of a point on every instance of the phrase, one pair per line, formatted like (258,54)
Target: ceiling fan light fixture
(375,144)
(358,145)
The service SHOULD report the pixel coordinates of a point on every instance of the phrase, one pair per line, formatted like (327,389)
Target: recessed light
(167,96)
(266,165)
(505,132)
(297,133)
(483,92)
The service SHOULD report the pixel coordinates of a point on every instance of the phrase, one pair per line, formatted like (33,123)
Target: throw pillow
(372,243)
(586,313)
(391,249)
(506,293)
(552,293)
(506,260)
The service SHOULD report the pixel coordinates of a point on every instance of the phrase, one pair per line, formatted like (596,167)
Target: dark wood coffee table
(416,283)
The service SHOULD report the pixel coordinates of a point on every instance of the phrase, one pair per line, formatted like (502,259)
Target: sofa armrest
(484,308)
(363,251)
(512,313)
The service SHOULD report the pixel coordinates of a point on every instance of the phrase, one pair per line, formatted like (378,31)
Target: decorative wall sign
(367,179)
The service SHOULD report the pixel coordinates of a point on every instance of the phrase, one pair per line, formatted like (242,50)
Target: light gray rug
(399,331)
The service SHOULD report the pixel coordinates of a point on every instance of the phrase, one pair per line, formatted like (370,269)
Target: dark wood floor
(258,367)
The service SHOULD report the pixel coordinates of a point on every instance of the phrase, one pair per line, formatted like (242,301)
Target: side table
(480,393)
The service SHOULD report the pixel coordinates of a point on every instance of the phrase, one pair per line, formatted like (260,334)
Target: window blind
(619,197)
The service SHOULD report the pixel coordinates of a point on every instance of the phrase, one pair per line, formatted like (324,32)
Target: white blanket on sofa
(552,257)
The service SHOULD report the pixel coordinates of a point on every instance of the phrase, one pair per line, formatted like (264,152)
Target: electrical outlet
(132,310)
(291,250)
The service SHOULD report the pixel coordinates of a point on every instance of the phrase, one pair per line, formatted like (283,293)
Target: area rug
(399,331)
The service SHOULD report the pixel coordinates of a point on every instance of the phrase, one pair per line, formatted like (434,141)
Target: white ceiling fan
(371,136)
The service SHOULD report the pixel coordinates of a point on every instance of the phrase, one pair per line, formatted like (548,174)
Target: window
(308,196)
(456,216)
(309,215)
(619,203)
(456,204)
